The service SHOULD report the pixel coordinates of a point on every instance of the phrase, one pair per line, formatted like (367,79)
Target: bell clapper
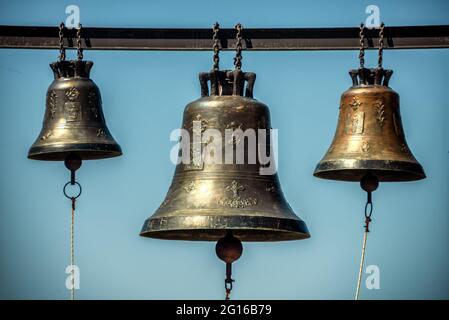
(72,162)
(369,183)
(229,249)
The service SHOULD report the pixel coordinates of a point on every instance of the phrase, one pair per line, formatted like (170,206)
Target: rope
(368,213)
(72,249)
(362,260)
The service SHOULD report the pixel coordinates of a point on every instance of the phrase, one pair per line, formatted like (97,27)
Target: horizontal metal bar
(412,37)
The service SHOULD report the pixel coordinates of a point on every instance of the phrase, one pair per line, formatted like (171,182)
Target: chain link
(78,42)
(362,48)
(61,42)
(216,46)
(238,49)
(381,45)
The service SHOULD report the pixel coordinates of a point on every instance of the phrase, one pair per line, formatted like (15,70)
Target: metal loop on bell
(65,190)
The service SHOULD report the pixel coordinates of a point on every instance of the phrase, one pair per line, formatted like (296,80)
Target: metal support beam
(412,37)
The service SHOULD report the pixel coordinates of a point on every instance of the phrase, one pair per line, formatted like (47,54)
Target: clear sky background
(144,94)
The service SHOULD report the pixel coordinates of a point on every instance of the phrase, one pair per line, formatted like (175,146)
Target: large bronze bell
(208,201)
(74,122)
(369,136)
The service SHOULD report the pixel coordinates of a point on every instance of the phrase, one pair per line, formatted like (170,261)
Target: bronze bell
(207,201)
(369,136)
(74,122)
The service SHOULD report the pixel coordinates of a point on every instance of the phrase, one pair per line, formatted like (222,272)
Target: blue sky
(144,94)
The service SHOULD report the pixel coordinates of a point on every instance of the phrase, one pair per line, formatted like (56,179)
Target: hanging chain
(362,48)
(216,46)
(381,45)
(61,42)
(368,213)
(238,49)
(78,42)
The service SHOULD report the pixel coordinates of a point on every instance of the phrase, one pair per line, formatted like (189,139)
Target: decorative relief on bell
(356,123)
(380,112)
(190,187)
(101,133)
(94,101)
(355,103)
(203,124)
(236,201)
(365,146)
(52,96)
(72,111)
(235,138)
(72,94)
(270,188)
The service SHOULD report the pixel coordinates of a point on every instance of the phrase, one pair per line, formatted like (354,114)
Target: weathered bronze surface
(206,200)
(369,135)
(74,120)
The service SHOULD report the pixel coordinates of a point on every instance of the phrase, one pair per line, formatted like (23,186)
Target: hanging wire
(238,49)
(381,45)
(61,42)
(78,42)
(368,213)
(216,46)
(362,48)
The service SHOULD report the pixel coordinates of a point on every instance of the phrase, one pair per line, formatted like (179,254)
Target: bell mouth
(91,151)
(383,170)
(212,228)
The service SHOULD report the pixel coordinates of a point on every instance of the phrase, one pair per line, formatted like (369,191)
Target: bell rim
(87,151)
(212,228)
(355,169)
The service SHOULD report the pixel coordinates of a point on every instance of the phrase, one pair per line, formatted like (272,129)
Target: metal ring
(370,209)
(65,191)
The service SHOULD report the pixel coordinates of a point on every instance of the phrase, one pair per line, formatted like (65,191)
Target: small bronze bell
(369,136)
(74,128)
(369,145)
(207,200)
(74,120)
